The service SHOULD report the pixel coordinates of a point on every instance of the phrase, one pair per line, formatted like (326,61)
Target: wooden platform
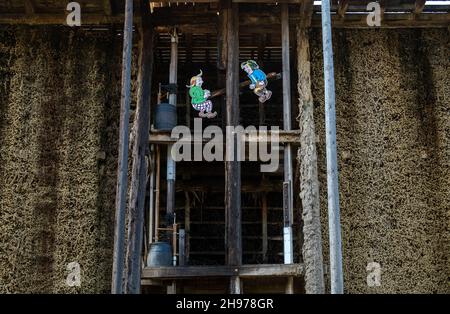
(244,271)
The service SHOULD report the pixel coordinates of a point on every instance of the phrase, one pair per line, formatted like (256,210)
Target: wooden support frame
(122,169)
(307,159)
(206,22)
(140,149)
(291,136)
(243,271)
(233,233)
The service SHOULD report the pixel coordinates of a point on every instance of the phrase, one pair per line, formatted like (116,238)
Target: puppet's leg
(201,109)
(208,105)
(259,91)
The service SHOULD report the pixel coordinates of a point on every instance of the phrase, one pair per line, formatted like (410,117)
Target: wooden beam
(108,7)
(418,7)
(193,25)
(383,9)
(262,39)
(232,168)
(29,7)
(342,8)
(243,271)
(211,185)
(139,167)
(264,226)
(233,232)
(222,42)
(122,169)
(291,136)
(306,13)
(309,181)
(187,226)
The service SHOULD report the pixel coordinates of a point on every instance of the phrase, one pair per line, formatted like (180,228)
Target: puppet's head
(249,66)
(196,80)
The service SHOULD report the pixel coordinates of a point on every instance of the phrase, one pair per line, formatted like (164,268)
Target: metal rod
(122,171)
(171,166)
(174,243)
(337,281)
(288,176)
(288,246)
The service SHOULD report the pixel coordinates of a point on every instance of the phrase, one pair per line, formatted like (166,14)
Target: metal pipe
(122,171)
(337,281)
(288,176)
(171,166)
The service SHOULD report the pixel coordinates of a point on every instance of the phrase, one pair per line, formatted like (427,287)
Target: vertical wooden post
(264,226)
(337,280)
(307,159)
(187,226)
(139,167)
(261,48)
(122,169)
(232,167)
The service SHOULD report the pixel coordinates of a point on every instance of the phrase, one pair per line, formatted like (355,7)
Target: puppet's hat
(252,64)
(194,79)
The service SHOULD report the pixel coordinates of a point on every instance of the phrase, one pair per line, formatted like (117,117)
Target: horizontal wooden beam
(216,186)
(206,23)
(243,271)
(292,136)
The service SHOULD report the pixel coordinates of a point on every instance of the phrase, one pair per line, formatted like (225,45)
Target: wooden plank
(291,136)
(139,167)
(232,168)
(243,271)
(122,169)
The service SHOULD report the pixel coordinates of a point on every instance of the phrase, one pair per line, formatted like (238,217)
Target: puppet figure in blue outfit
(258,80)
